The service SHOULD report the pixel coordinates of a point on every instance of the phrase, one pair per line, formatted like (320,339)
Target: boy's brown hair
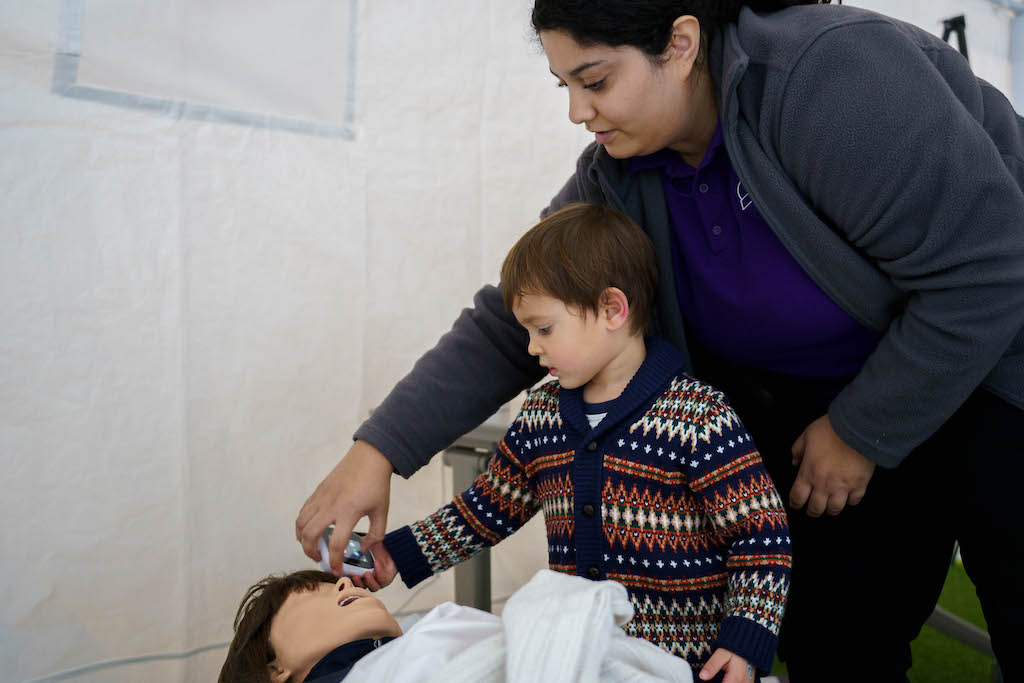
(250,653)
(579,251)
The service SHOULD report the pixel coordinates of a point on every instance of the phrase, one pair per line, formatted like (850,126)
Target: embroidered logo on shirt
(744,196)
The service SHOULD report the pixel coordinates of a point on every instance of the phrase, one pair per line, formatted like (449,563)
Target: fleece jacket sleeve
(474,369)
(885,137)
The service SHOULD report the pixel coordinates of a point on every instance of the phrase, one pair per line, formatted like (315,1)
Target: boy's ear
(613,308)
(278,674)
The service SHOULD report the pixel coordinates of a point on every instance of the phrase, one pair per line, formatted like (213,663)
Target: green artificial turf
(937,657)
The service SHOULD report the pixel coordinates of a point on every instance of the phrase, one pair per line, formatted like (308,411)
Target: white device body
(356,561)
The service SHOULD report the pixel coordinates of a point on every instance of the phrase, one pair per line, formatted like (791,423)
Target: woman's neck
(703,120)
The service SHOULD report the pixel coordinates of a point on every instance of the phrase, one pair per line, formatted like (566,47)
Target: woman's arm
(884,135)
(474,369)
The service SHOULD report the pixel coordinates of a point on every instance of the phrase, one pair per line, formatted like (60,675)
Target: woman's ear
(278,674)
(614,308)
(684,44)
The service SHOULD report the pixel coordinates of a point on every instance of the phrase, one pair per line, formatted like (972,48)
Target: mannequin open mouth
(348,601)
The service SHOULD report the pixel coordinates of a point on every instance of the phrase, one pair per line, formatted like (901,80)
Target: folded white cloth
(555,628)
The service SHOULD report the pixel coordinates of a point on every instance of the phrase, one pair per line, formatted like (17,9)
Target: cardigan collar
(662,363)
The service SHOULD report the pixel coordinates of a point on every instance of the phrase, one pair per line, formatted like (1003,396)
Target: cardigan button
(592,446)
(594,573)
(588,510)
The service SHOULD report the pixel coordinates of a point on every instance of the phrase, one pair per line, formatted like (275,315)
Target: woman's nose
(580,109)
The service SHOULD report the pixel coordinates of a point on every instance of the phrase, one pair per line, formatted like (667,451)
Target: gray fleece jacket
(888,170)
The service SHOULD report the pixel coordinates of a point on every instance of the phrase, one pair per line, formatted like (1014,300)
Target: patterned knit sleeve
(730,481)
(497,504)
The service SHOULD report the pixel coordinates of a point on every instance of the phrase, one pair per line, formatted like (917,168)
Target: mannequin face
(312,623)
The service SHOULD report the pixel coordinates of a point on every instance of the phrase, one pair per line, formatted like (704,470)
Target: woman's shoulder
(786,34)
(811,40)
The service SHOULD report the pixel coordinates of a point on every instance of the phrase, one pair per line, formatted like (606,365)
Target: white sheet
(555,628)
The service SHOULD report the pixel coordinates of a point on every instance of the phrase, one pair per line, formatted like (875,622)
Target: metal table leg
(472,577)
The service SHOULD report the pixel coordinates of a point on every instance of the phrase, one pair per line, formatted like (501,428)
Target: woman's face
(634,107)
(312,623)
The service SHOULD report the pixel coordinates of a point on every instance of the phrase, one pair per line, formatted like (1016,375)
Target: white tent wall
(195,316)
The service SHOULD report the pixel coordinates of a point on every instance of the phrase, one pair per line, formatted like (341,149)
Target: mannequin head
(286,624)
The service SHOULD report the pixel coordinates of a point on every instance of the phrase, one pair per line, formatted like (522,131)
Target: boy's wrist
(749,640)
(410,562)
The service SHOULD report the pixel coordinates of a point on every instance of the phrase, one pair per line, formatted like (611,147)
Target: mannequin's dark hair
(250,652)
(643,24)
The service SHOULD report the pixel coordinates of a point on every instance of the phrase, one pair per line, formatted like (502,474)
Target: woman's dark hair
(643,24)
(250,652)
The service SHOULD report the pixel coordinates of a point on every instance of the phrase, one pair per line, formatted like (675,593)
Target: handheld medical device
(356,561)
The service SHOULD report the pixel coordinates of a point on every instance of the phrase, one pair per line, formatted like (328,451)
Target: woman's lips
(604,137)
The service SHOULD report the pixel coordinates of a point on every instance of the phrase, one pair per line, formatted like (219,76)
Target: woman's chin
(617,150)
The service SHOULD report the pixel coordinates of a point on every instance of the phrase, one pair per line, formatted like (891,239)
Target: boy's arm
(497,504)
(729,479)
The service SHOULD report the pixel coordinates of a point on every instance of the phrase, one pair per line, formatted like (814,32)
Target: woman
(836,203)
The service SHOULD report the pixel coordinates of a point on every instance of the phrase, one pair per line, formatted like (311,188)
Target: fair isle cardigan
(667,495)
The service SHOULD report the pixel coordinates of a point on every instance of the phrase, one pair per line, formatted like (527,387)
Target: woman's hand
(357,487)
(737,669)
(384,570)
(832,475)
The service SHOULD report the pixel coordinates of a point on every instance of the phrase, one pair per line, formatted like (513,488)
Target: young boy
(645,475)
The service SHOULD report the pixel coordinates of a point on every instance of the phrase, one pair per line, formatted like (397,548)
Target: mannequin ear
(277,674)
(614,308)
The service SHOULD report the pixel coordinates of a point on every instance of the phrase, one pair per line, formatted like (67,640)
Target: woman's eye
(595,86)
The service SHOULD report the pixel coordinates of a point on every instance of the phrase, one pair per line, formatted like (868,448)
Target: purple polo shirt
(741,293)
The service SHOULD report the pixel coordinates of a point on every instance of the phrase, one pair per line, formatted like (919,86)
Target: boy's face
(312,623)
(574,346)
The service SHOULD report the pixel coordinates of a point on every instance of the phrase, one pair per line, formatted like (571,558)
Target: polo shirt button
(588,510)
(703,187)
(592,446)
(594,572)
(717,230)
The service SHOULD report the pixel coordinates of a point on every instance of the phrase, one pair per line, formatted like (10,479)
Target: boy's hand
(384,570)
(737,669)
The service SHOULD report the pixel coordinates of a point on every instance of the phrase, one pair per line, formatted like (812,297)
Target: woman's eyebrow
(580,69)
